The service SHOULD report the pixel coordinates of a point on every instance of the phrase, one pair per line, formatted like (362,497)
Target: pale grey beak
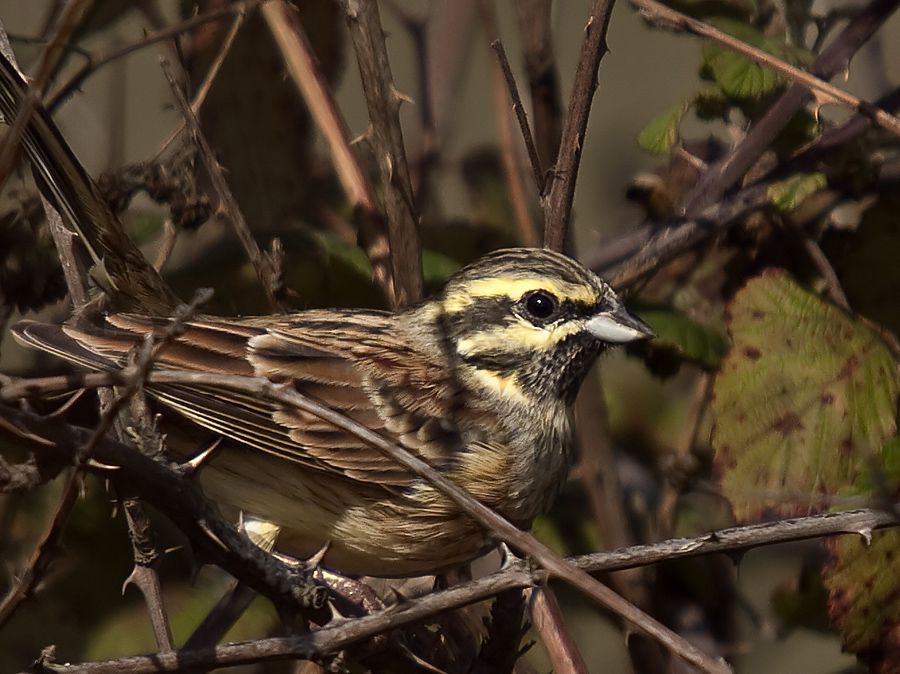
(618,326)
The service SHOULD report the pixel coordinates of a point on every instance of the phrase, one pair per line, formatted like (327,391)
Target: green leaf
(739,77)
(863,582)
(688,338)
(786,195)
(661,134)
(802,400)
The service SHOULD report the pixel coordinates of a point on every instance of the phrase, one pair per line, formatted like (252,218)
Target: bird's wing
(354,362)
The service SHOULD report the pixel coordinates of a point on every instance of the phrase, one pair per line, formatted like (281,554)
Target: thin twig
(512,89)
(206,85)
(508,156)
(535,27)
(263,263)
(832,282)
(95,63)
(823,91)
(304,69)
(383,103)
(521,116)
(46,549)
(561,186)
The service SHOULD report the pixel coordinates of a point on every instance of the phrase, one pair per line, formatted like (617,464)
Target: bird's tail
(119,266)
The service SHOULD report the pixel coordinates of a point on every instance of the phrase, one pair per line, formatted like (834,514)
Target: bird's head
(530,322)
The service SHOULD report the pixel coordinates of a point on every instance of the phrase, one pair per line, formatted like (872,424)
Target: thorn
(866,533)
(205,528)
(399,597)
(314,561)
(93,463)
(190,467)
(131,580)
(335,614)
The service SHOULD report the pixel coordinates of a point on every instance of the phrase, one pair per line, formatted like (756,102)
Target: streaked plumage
(478,381)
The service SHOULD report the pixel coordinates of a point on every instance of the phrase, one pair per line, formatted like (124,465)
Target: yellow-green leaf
(805,397)
(661,134)
(863,583)
(786,195)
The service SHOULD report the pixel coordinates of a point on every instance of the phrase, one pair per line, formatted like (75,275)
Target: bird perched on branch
(478,381)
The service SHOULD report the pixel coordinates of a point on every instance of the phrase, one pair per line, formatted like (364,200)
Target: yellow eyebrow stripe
(520,335)
(514,288)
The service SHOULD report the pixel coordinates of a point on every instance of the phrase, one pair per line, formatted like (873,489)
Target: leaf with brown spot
(805,397)
(863,583)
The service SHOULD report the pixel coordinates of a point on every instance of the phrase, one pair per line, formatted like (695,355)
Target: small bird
(479,381)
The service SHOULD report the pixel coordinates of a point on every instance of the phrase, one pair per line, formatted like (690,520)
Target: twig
(263,263)
(521,116)
(834,59)
(548,621)
(827,93)
(811,246)
(554,564)
(383,102)
(143,574)
(671,241)
(508,156)
(71,17)
(44,552)
(673,484)
(561,186)
(303,68)
(535,27)
(95,63)
(631,256)
(512,89)
(210,77)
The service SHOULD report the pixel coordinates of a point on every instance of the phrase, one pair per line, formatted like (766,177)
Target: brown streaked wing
(355,361)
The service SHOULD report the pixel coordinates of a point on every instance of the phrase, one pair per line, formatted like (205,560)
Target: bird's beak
(618,326)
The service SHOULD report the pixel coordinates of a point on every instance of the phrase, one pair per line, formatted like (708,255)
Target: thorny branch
(304,70)
(266,264)
(834,59)
(383,102)
(561,185)
(172,493)
(823,91)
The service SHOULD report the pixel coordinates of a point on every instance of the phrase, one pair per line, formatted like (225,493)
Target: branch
(555,565)
(823,91)
(265,265)
(535,27)
(303,68)
(558,204)
(44,552)
(512,89)
(833,60)
(383,103)
(96,62)
(173,494)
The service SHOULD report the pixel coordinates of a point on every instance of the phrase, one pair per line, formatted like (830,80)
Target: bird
(479,381)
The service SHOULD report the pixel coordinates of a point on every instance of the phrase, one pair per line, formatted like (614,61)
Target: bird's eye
(540,304)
